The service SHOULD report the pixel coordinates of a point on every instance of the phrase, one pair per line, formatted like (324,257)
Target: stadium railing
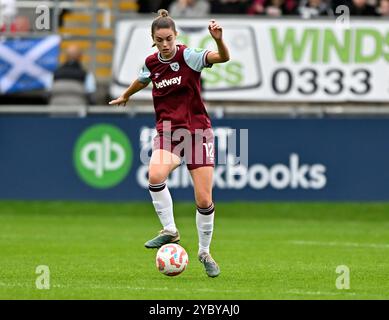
(215,109)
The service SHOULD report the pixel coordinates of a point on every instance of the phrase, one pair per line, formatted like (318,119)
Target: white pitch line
(341,244)
(154,289)
(99,287)
(340,293)
(320,293)
(298,292)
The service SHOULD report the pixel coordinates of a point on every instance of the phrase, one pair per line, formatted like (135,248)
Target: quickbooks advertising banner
(105,159)
(273,60)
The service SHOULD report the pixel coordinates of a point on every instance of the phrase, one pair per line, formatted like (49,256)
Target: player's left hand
(215,30)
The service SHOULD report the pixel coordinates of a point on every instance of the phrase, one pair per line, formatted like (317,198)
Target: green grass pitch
(265,251)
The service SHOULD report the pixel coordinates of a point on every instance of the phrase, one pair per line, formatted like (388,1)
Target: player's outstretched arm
(132,89)
(222,55)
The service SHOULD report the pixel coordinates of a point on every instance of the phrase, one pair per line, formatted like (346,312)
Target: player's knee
(156,176)
(203,200)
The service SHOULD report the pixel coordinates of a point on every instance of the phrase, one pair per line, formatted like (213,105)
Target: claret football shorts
(195,149)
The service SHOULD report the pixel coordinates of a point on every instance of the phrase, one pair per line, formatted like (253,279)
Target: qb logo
(102,156)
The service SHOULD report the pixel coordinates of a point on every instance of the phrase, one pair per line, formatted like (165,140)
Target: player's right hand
(121,101)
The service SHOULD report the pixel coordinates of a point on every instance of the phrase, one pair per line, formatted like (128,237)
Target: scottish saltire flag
(28,64)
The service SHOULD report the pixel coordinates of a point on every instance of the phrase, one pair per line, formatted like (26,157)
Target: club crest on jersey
(175,66)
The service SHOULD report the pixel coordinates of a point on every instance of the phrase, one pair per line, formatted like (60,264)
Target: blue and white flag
(28,64)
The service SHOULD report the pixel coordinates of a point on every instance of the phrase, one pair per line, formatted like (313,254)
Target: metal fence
(216,110)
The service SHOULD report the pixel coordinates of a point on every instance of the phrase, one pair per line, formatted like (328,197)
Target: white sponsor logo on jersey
(169,82)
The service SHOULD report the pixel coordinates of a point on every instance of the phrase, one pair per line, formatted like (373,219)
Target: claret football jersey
(176,88)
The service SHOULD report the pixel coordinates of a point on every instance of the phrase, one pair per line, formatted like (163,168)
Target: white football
(171,259)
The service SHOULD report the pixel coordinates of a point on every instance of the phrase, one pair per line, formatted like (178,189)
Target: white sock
(204,222)
(163,205)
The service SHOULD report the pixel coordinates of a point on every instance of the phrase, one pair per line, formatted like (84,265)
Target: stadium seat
(68,93)
(78,28)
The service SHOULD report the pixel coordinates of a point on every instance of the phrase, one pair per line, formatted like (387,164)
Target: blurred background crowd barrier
(336,53)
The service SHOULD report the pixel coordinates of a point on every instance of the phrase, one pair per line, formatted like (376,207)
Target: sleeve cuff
(205,61)
(144,80)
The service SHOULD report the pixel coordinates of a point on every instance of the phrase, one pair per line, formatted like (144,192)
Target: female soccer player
(175,72)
